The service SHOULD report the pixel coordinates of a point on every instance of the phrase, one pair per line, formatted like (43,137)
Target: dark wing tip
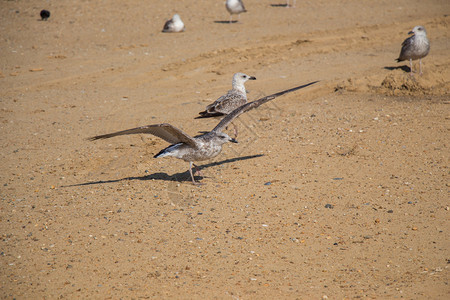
(98,137)
(205,114)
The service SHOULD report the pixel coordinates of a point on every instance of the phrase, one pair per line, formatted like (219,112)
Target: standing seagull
(174,25)
(415,47)
(234,98)
(235,7)
(201,147)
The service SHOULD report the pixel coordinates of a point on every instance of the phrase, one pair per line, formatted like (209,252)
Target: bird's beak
(411,32)
(252,78)
(233,141)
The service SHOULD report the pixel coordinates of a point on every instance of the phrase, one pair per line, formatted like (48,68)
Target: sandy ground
(336,191)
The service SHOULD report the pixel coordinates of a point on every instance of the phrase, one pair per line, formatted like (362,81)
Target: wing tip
(205,114)
(94,138)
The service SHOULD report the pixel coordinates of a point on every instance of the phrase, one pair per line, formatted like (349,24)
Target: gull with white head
(415,47)
(235,7)
(234,98)
(201,147)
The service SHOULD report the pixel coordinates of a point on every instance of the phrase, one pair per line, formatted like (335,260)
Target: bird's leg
(192,175)
(288,5)
(410,67)
(190,171)
(197,170)
(231,18)
(420,66)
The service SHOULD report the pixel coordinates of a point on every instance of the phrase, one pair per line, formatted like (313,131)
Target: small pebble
(329,206)
(268,183)
(390,211)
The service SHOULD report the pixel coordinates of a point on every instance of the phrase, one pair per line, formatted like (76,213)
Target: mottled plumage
(197,148)
(234,98)
(415,47)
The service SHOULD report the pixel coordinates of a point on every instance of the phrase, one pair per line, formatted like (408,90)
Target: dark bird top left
(45,14)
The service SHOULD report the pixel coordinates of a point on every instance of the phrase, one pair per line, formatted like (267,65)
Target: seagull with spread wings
(201,147)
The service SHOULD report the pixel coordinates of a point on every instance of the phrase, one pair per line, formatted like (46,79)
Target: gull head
(418,30)
(176,18)
(222,138)
(240,78)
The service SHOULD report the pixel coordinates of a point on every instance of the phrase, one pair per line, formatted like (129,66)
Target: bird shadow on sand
(177,177)
(279,5)
(226,22)
(404,68)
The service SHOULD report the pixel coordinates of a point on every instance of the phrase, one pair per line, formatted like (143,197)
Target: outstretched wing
(254,104)
(165,131)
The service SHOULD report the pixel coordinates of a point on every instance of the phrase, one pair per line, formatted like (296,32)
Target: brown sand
(339,190)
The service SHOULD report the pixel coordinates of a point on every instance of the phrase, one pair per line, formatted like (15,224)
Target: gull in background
(234,98)
(415,47)
(235,7)
(174,25)
(201,147)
